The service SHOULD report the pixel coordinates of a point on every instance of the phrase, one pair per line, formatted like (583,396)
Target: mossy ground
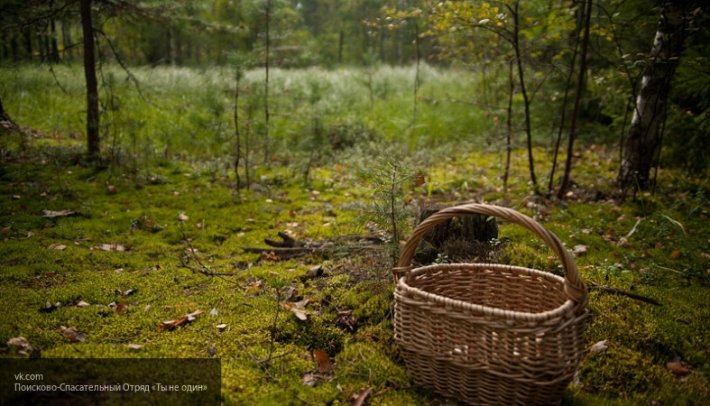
(137,204)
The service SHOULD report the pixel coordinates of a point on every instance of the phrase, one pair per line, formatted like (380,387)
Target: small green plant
(389,180)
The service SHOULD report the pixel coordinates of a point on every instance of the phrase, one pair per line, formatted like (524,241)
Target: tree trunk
(53,47)
(577,99)
(643,142)
(67,53)
(92,94)
(523,91)
(267,17)
(509,126)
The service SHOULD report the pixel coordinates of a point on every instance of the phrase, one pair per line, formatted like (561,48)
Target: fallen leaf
(183,217)
(82,304)
(362,398)
(170,325)
(221,327)
(126,292)
(312,379)
(419,179)
(20,344)
(678,368)
(346,321)
(579,249)
(111,189)
(134,347)
(58,247)
(111,247)
(50,307)
(314,272)
(121,308)
(213,312)
(296,310)
(73,335)
(705,255)
(57,213)
(600,346)
(323,364)
(255,287)
(675,254)
(270,256)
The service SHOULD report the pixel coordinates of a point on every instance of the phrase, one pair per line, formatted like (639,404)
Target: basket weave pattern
(489,333)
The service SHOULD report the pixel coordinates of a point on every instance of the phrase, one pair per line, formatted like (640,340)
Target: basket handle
(575,289)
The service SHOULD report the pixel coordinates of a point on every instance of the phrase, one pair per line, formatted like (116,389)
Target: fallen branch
(291,248)
(619,292)
(192,254)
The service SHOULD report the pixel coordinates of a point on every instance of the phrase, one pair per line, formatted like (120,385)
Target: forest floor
(108,263)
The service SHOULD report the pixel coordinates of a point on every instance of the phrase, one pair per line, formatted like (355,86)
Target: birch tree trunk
(643,143)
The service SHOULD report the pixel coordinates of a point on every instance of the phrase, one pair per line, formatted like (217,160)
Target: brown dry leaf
(270,256)
(705,255)
(170,325)
(296,310)
(111,189)
(121,308)
(323,364)
(339,168)
(678,368)
(58,247)
(255,287)
(50,214)
(20,344)
(675,254)
(72,334)
(362,398)
(419,179)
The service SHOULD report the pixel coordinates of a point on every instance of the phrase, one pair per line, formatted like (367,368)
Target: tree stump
(458,239)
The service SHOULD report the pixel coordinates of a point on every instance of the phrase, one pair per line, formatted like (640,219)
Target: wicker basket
(489,333)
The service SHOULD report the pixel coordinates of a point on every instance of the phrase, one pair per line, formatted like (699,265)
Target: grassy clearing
(139,203)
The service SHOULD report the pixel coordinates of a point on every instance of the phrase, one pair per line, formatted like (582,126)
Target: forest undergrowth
(145,255)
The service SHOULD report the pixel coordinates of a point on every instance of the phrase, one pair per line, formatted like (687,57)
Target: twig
(272,333)
(205,270)
(256,361)
(614,291)
(676,222)
(623,240)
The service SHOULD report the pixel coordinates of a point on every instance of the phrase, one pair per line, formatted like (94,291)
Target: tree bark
(643,142)
(267,17)
(92,94)
(577,99)
(67,53)
(523,91)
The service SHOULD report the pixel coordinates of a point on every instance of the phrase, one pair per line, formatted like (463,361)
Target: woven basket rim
(566,308)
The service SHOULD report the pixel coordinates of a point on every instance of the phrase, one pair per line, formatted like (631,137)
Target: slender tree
(515,41)
(267,28)
(577,98)
(92,94)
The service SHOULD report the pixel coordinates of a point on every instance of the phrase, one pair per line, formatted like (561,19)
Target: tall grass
(187,112)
